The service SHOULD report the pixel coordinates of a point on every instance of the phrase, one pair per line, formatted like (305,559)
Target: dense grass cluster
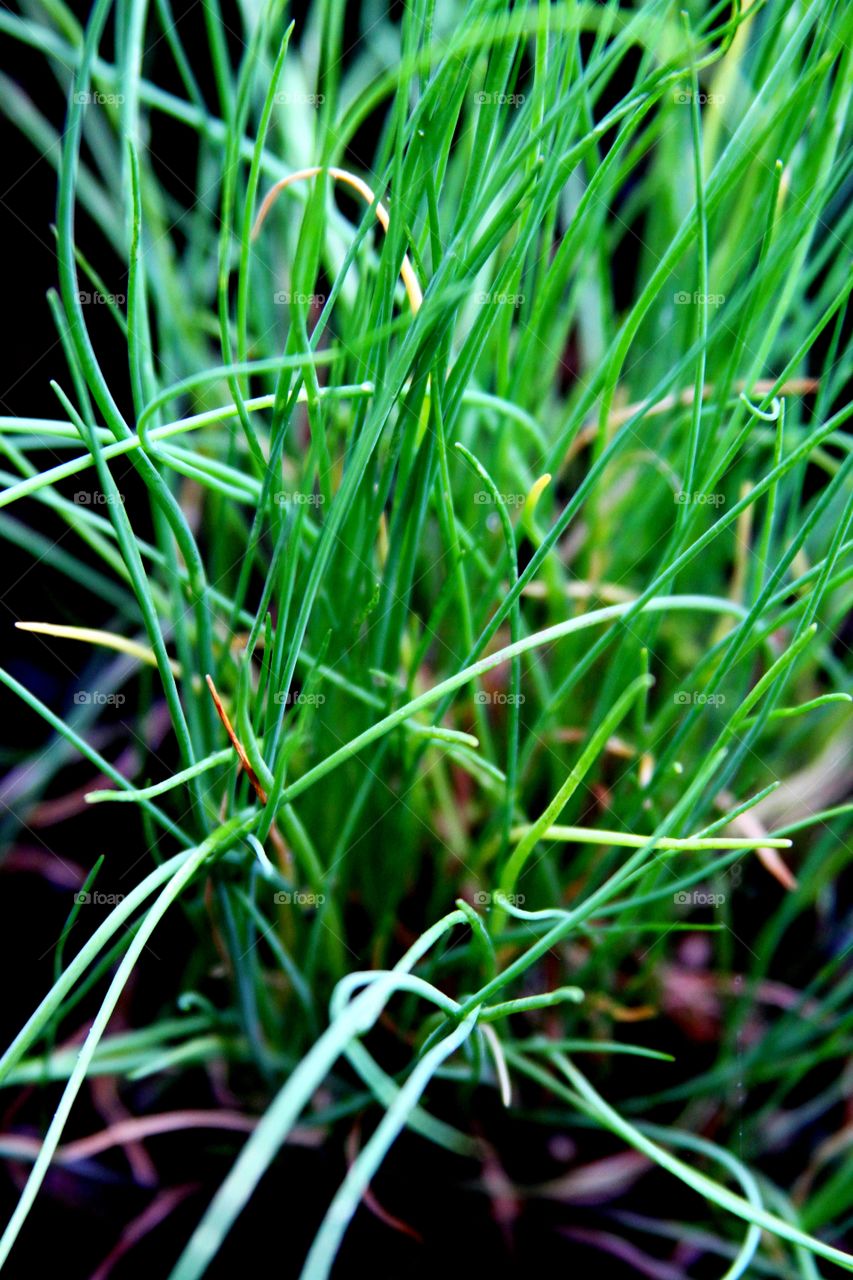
(497,476)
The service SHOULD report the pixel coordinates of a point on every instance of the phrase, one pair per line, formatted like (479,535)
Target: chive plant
(478,510)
